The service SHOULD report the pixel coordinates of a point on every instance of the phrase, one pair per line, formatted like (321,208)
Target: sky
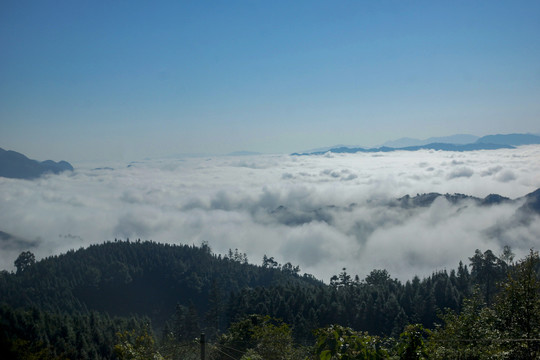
(126,80)
(322,213)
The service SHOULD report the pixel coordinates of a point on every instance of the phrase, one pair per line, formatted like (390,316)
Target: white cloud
(322,213)
(506,176)
(461,172)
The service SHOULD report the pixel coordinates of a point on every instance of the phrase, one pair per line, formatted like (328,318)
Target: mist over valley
(361,211)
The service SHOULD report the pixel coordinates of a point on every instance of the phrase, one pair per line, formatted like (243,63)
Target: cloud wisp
(320,212)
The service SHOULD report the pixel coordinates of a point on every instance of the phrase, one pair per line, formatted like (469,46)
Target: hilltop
(17,166)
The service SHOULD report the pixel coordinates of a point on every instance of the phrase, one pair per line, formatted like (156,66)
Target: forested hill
(75,304)
(143,278)
(161,281)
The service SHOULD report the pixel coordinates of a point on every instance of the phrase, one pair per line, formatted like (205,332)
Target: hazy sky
(90,80)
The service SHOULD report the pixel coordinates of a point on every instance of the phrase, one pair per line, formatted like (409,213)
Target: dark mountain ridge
(531,201)
(176,284)
(145,278)
(17,166)
(289,216)
(452,139)
(510,139)
(459,142)
(432,146)
(424,200)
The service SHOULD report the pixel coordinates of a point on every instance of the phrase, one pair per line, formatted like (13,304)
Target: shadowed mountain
(297,217)
(424,200)
(293,217)
(452,139)
(11,242)
(17,166)
(510,139)
(458,142)
(432,146)
(144,278)
(524,216)
(328,148)
(530,207)
(532,202)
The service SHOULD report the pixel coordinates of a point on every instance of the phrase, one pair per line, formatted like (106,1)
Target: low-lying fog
(320,212)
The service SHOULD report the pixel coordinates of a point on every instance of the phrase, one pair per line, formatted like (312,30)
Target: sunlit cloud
(322,213)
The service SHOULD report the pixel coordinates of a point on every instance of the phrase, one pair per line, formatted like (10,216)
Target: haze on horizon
(115,81)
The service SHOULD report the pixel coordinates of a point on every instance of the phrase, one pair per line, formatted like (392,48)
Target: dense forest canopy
(81,303)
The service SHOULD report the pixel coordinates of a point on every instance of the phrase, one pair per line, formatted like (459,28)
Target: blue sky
(129,79)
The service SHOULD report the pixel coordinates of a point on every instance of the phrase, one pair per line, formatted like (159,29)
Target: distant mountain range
(434,146)
(295,217)
(459,142)
(12,242)
(452,139)
(531,201)
(510,139)
(16,165)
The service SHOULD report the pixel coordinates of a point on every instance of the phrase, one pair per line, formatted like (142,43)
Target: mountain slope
(424,200)
(531,201)
(432,146)
(144,278)
(452,139)
(16,165)
(510,139)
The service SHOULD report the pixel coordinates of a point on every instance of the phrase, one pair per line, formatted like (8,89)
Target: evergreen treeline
(144,278)
(36,334)
(377,304)
(61,306)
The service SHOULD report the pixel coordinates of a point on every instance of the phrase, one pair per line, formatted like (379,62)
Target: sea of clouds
(322,213)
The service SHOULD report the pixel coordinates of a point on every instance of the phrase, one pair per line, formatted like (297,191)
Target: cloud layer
(322,212)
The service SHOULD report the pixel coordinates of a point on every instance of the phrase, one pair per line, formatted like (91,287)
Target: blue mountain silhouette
(16,165)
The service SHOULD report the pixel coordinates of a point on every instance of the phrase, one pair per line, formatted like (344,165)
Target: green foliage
(338,342)
(32,333)
(466,335)
(518,310)
(133,345)
(258,336)
(159,277)
(185,324)
(156,278)
(170,348)
(27,350)
(488,269)
(509,329)
(411,345)
(64,298)
(378,277)
(24,261)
